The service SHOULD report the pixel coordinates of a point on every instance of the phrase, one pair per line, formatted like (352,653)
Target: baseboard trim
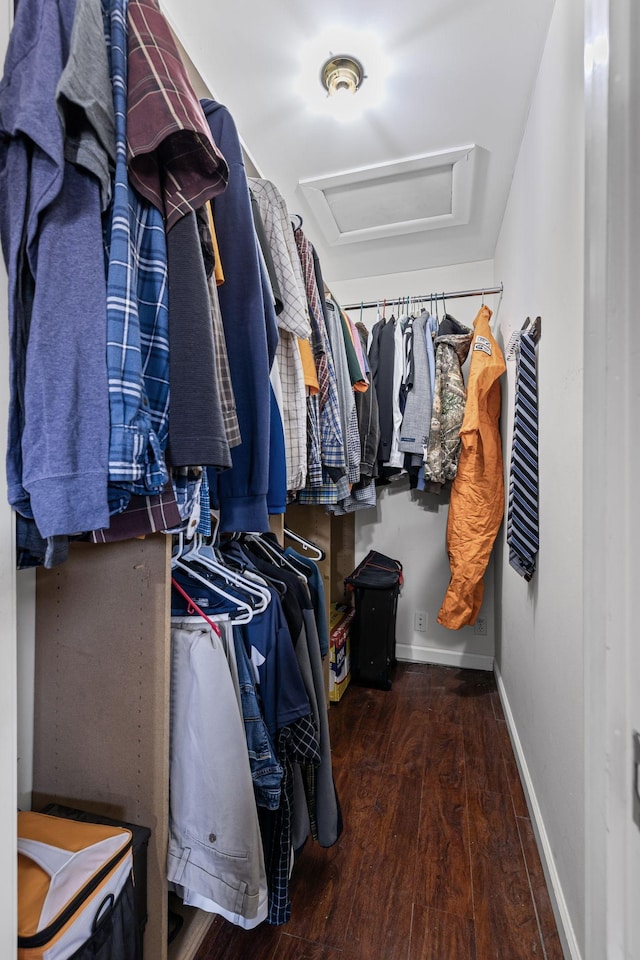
(563,920)
(448,658)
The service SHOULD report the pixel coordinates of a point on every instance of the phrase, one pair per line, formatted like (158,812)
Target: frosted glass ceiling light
(342,74)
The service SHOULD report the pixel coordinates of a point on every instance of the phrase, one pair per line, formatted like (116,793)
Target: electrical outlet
(480,627)
(420,621)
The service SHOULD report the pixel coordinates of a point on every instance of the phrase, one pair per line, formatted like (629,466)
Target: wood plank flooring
(438,859)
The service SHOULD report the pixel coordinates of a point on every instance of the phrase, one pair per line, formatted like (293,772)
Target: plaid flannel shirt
(297,743)
(173,160)
(137,314)
(331,439)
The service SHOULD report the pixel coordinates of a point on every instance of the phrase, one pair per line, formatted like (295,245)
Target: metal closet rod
(453,295)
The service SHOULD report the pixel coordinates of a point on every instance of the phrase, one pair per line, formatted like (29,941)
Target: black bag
(116,935)
(376,582)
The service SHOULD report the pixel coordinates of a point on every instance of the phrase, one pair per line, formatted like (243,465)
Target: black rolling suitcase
(376,583)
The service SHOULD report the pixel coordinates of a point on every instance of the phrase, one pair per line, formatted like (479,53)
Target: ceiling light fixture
(342,74)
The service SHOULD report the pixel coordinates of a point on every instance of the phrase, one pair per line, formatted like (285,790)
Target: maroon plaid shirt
(172,158)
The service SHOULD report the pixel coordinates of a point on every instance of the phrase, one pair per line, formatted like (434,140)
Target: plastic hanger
(193,605)
(270,552)
(245,610)
(205,555)
(312,548)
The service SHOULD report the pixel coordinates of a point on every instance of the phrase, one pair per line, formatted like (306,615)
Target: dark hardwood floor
(438,859)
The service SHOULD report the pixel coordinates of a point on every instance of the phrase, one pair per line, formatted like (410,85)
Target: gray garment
(416,420)
(327,817)
(360,498)
(84,99)
(368,418)
(349,417)
(197,434)
(215,849)
(381,360)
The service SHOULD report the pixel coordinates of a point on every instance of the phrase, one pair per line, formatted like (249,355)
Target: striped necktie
(522,517)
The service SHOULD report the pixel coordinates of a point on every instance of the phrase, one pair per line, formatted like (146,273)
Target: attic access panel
(388,199)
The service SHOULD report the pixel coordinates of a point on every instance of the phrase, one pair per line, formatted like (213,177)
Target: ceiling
(449,83)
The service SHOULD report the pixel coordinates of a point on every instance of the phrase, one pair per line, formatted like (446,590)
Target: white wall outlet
(480,627)
(420,621)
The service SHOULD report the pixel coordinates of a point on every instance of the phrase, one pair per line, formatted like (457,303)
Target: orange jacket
(477,494)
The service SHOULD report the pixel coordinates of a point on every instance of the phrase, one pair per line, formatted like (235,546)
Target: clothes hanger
(316,552)
(270,552)
(193,605)
(245,610)
(243,549)
(204,554)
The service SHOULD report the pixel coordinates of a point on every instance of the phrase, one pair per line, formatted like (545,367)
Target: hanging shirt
(357,375)
(396,456)
(381,360)
(137,314)
(85,101)
(368,419)
(331,439)
(223,373)
(345,392)
(196,425)
(242,491)
(416,419)
(51,236)
(293,322)
(173,160)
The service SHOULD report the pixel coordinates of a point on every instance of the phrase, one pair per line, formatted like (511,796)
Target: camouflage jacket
(449,397)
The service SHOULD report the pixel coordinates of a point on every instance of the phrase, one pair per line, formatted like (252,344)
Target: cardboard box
(339,650)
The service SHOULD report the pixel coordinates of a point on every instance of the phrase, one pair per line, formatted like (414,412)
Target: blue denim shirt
(266,772)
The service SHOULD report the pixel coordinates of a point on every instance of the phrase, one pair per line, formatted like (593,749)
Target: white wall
(411,526)
(539,654)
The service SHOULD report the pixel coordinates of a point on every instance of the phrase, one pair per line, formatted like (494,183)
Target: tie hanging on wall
(522,517)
